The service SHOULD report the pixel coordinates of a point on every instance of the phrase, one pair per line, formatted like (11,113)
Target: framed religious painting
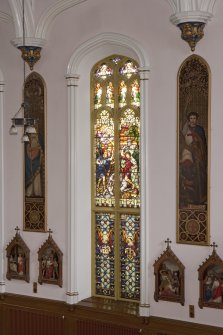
(18,258)
(50,262)
(193,199)
(169,277)
(35,155)
(210,275)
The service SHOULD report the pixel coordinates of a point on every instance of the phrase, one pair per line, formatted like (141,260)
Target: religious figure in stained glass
(110,95)
(104,152)
(122,94)
(135,93)
(130,261)
(116,174)
(129,160)
(105,254)
(128,69)
(104,71)
(98,95)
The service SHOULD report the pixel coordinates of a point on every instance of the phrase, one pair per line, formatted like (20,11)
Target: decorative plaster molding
(16,10)
(48,16)
(102,40)
(35,34)
(29,41)
(191,10)
(5,17)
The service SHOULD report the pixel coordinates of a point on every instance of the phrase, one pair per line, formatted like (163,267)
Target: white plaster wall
(147,22)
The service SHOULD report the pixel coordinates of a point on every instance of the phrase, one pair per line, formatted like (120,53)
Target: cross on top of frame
(168,242)
(214,246)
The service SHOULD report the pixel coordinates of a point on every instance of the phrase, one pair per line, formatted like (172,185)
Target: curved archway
(79,194)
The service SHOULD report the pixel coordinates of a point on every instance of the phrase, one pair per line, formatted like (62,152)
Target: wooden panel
(30,322)
(21,315)
(85,327)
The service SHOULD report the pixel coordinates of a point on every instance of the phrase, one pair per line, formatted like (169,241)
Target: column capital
(144,72)
(72,79)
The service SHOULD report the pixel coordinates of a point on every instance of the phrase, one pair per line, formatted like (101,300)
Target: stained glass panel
(128,69)
(122,98)
(130,256)
(135,93)
(104,71)
(98,96)
(129,160)
(105,283)
(115,106)
(104,154)
(110,95)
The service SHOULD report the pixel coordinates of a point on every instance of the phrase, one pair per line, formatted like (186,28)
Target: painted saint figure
(33,167)
(193,163)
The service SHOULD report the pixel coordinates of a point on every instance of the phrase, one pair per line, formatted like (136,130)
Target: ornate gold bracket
(30,55)
(192,32)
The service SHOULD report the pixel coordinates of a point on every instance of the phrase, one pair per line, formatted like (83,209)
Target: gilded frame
(210,276)
(17,254)
(50,259)
(193,152)
(169,278)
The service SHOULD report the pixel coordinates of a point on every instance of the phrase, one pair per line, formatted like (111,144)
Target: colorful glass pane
(122,97)
(128,69)
(105,283)
(116,59)
(135,93)
(104,154)
(110,95)
(130,256)
(98,96)
(103,71)
(129,159)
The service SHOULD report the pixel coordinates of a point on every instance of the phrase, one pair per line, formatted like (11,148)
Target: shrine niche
(169,277)
(193,199)
(50,262)
(210,275)
(35,156)
(18,258)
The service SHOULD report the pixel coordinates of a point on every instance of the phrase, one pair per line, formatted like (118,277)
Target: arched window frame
(93,50)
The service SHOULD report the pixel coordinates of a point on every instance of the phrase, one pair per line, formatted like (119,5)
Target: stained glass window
(115,115)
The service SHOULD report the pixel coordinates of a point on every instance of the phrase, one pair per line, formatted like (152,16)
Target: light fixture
(22,117)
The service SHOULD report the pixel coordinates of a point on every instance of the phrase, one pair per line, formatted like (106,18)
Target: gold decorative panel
(35,156)
(193,142)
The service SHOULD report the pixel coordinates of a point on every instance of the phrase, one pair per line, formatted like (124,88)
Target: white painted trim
(48,16)
(191,10)
(114,39)
(144,191)
(16,10)
(100,43)
(29,41)
(2,213)
(72,293)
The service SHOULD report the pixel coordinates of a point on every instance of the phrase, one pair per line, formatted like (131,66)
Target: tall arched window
(115,116)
